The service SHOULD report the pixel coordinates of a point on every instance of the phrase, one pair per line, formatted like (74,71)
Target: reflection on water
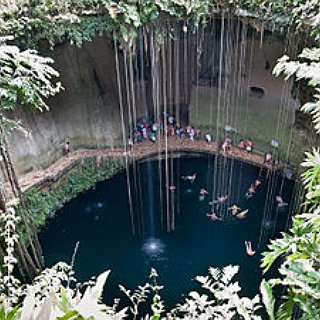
(153,248)
(93,207)
(99,205)
(88,209)
(268,223)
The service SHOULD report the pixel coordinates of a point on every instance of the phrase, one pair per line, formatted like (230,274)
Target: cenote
(170,130)
(130,242)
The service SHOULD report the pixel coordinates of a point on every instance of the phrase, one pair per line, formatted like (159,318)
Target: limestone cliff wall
(86,113)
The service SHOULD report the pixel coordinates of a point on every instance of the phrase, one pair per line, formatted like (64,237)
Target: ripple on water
(153,248)
(99,205)
(268,224)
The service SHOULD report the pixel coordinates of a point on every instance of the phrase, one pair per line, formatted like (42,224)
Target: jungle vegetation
(76,21)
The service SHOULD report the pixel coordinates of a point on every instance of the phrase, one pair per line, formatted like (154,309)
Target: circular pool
(164,224)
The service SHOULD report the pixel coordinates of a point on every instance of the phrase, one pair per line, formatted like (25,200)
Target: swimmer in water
(249,250)
(242,214)
(213,217)
(189,178)
(257,183)
(220,199)
(203,192)
(234,209)
(280,201)
(251,191)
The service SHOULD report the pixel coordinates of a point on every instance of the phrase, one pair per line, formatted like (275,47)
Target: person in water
(234,209)
(203,192)
(220,199)
(213,217)
(257,183)
(280,202)
(189,178)
(250,192)
(242,214)
(249,249)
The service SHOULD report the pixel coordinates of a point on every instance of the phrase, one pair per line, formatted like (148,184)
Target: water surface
(131,243)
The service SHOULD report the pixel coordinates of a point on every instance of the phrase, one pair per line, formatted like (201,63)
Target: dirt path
(139,151)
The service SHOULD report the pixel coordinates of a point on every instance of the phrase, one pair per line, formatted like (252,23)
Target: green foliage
(300,270)
(300,247)
(81,20)
(54,21)
(55,294)
(307,68)
(268,298)
(311,177)
(13,314)
(42,204)
(303,13)
(25,79)
(220,300)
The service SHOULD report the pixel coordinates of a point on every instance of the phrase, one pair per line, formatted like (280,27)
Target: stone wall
(86,113)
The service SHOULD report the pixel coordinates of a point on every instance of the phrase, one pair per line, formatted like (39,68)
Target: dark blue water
(130,244)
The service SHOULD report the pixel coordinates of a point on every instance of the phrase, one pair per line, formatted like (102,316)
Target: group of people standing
(149,129)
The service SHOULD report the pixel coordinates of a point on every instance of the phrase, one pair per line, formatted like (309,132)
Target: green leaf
(70,315)
(267,298)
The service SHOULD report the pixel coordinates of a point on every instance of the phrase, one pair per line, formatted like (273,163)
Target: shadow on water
(100,220)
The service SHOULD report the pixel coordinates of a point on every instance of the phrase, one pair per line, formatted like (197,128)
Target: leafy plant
(222,301)
(308,68)
(79,21)
(43,203)
(25,79)
(51,296)
(311,177)
(300,247)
